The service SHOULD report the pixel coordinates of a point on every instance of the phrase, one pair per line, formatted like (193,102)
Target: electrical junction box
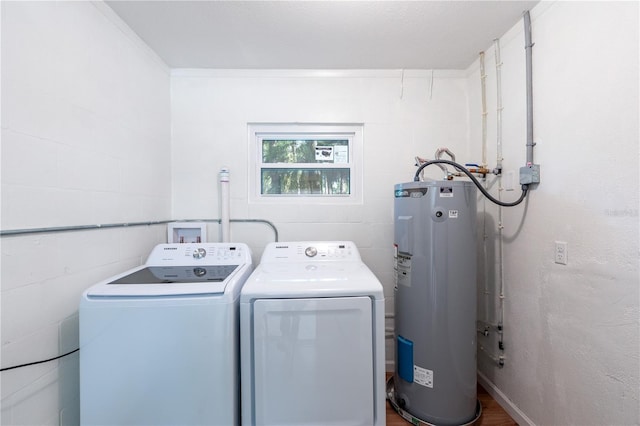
(530,174)
(187,232)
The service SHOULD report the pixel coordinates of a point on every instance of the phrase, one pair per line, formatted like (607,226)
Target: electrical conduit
(527,46)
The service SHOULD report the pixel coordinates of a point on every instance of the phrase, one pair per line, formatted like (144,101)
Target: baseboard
(504,401)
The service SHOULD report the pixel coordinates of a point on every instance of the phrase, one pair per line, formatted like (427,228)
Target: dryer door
(313,361)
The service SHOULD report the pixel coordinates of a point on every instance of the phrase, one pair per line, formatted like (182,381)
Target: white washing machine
(159,344)
(312,338)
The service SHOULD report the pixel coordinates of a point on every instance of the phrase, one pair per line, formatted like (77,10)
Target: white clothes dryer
(159,344)
(312,338)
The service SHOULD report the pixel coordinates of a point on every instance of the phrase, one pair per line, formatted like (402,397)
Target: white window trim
(352,131)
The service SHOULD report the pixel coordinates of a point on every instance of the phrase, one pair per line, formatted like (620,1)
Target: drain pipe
(224,205)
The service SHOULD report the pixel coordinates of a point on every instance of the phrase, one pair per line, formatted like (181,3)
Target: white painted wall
(571,332)
(85,140)
(210,112)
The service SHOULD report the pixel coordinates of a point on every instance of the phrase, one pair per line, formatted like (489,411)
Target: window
(314,161)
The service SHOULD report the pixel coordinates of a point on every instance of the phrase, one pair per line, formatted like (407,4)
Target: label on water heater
(411,192)
(403,270)
(422,376)
(446,191)
(395,265)
(453,214)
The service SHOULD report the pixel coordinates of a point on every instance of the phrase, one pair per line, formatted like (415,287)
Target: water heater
(435,302)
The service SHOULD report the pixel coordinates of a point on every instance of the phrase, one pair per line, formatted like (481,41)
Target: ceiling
(320,34)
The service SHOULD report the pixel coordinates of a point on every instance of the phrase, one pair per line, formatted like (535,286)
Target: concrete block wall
(572,348)
(85,140)
(402,118)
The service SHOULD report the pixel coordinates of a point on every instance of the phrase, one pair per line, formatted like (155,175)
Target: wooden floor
(492,413)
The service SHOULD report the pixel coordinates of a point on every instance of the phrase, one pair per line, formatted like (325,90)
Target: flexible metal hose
(460,167)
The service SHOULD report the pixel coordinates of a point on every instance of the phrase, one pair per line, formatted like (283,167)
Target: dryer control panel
(305,251)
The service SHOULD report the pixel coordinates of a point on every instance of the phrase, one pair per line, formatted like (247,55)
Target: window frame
(353,132)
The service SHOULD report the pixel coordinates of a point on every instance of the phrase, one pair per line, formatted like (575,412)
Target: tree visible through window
(312,161)
(306,178)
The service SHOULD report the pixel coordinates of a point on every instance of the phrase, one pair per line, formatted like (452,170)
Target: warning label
(422,376)
(403,271)
(446,191)
(453,214)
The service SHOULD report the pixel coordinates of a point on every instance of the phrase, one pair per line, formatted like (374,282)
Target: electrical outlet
(509,179)
(562,252)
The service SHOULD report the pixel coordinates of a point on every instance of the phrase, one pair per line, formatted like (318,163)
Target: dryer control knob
(311,251)
(199,253)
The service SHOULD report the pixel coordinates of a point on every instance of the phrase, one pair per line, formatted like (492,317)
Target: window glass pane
(305,181)
(305,151)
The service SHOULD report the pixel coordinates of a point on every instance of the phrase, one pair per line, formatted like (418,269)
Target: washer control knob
(199,272)
(199,253)
(311,251)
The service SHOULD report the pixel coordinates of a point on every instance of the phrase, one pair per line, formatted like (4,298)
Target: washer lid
(167,281)
(182,270)
(177,274)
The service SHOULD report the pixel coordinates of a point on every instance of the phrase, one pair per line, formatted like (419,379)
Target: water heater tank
(435,301)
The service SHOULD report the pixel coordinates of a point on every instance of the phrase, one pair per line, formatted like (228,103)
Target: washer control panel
(311,251)
(199,254)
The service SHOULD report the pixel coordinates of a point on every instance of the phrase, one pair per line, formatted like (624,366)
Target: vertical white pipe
(500,252)
(483,92)
(500,187)
(496,43)
(224,205)
(483,85)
